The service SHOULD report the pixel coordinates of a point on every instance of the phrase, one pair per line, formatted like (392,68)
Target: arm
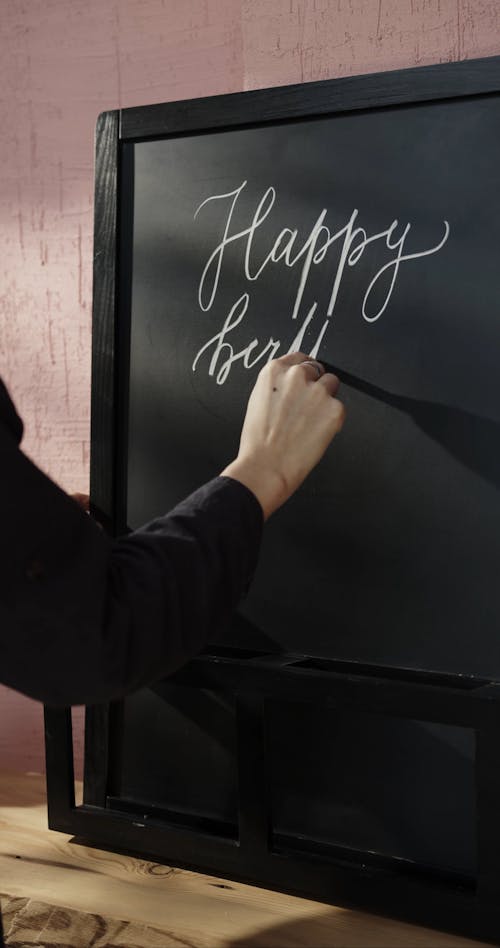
(83,619)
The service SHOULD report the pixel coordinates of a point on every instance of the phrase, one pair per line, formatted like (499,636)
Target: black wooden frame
(383,884)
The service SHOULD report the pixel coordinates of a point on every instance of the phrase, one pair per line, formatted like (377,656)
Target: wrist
(268,486)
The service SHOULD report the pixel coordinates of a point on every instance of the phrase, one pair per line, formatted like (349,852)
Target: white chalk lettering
(333,249)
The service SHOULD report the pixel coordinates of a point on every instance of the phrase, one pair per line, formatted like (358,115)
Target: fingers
(293,358)
(313,370)
(338,414)
(312,367)
(318,376)
(291,418)
(330,382)
(301,373)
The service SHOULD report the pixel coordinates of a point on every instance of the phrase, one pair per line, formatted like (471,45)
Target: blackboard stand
(253,845)
(255,853)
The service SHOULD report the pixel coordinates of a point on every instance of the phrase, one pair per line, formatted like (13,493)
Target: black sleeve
(84,619)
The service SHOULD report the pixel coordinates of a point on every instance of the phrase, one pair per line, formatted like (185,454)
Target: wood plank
(200,910)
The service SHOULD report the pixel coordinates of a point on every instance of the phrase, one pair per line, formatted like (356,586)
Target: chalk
(347,379)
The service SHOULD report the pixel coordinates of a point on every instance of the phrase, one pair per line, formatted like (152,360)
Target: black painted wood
(389,886)
(59,767)
(488,791)
(96,755)
(103,408)
(102,754)
(461,703)
(253,777)
(352,93)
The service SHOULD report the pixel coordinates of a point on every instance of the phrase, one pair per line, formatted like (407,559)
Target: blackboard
(385,229)
(348,718)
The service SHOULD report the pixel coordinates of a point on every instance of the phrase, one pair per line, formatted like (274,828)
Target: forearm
(182,576)
(85,620)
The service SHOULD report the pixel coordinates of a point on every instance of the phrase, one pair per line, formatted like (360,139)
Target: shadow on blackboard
(471,439)
(221,710)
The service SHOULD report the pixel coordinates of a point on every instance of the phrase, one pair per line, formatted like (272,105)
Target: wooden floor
(199,910)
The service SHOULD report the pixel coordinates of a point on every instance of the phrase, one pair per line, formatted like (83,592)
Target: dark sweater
(85,619)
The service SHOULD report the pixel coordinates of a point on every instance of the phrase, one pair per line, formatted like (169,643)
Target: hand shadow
(471,439)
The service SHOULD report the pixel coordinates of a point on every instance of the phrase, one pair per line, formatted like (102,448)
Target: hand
(292,415)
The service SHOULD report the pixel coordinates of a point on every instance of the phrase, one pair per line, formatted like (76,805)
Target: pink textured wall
(62,63)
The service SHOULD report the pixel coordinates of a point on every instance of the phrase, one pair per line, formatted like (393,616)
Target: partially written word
(348,243)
